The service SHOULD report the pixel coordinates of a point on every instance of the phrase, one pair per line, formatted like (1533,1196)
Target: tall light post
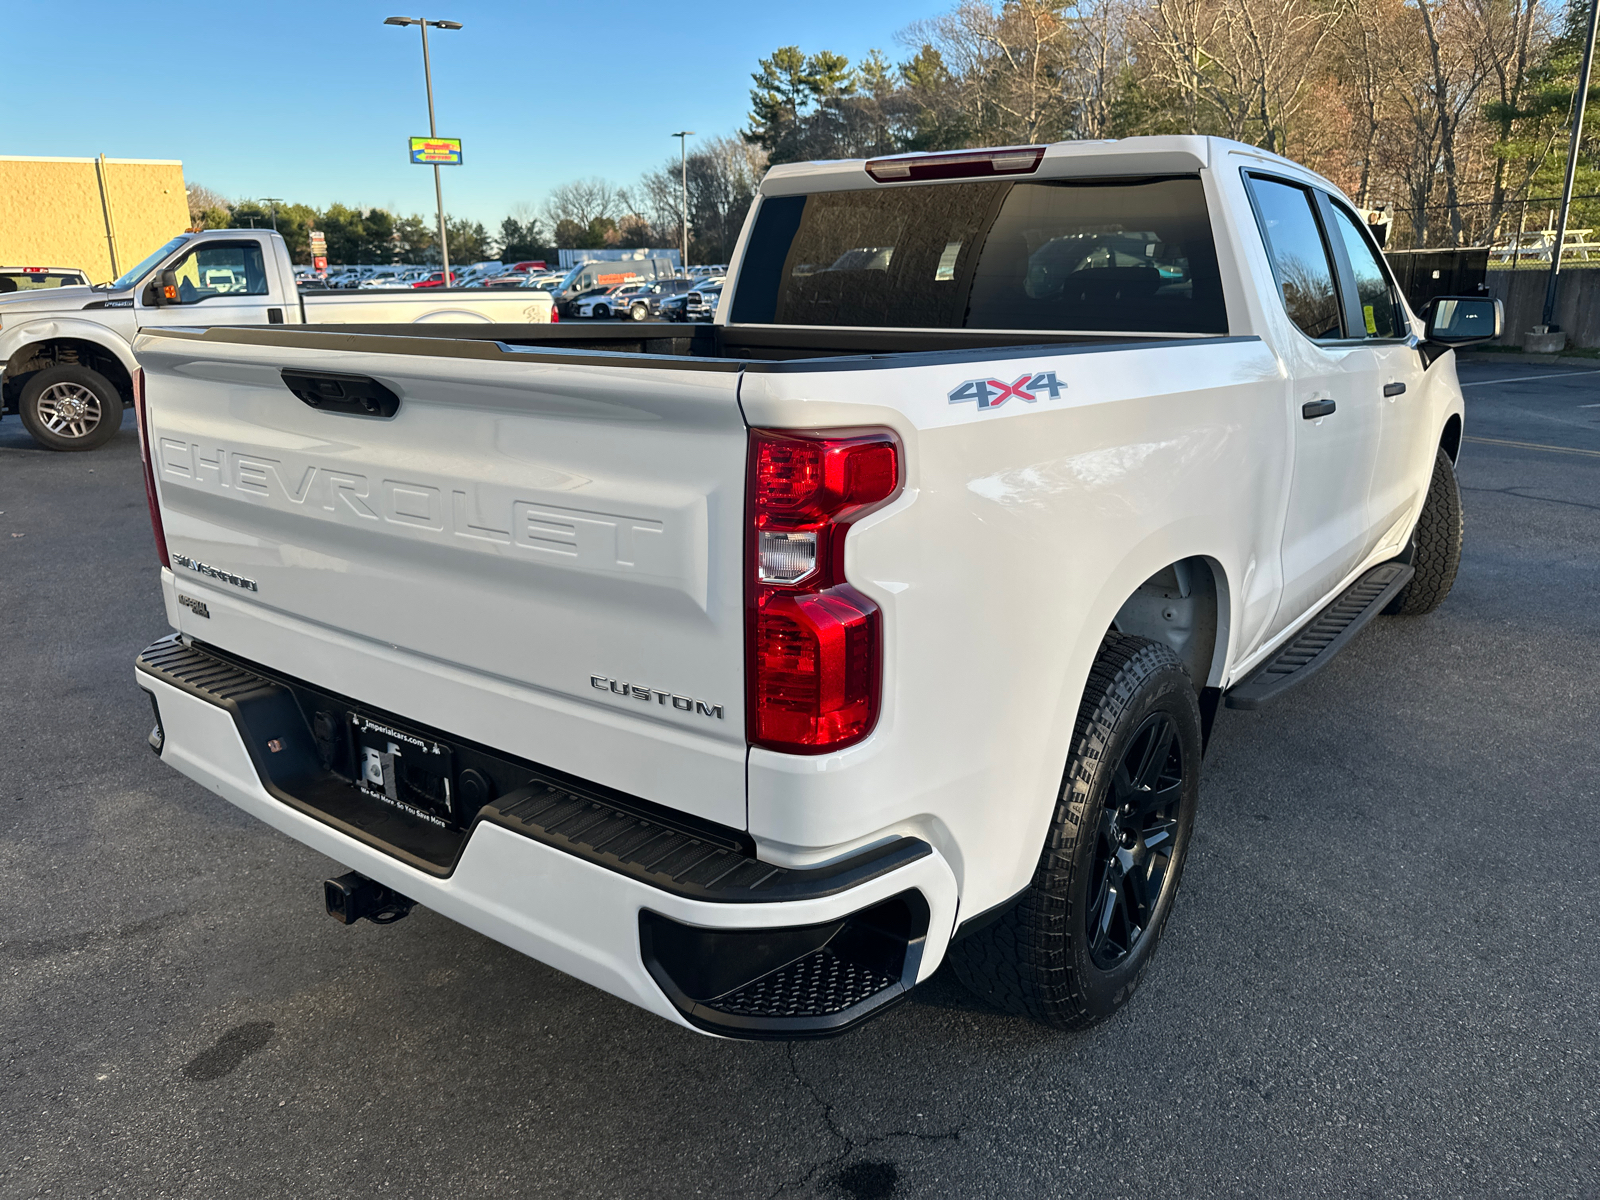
(433,130)
(1579,101)
(683,164)
(273,201)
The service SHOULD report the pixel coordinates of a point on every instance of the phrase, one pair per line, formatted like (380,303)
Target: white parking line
(1533,446)
(1529,378)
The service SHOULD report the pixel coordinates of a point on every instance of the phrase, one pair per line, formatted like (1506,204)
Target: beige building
(101,215)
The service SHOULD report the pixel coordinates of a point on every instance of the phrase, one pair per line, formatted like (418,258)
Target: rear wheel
(70,408)
(1436,544)
(601,312)
(1075,947)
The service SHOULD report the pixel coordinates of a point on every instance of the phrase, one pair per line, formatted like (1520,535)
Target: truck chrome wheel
(1134,842)
(70,407)
(69,410)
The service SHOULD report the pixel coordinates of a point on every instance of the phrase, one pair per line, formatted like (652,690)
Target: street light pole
(273,201)
(1579,102)
(433,130)
(683,165)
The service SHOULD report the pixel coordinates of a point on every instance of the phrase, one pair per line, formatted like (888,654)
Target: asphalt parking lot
(1382,976)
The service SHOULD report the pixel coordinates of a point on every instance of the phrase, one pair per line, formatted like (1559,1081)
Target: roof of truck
(1178,154)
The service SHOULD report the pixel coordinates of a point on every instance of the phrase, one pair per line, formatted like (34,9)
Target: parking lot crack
(848,1144)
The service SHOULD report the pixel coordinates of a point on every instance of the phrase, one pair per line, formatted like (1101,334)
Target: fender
(13,339)
(1187,538)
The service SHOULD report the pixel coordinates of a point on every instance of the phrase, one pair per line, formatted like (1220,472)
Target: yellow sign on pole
(438,151)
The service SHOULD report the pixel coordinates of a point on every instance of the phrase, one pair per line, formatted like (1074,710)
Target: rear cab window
(25,280)
(1127,255)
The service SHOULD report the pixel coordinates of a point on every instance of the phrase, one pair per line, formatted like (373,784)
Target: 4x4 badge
(992,393)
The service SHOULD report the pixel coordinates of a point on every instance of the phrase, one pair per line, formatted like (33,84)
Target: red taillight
(149,468)
(814,643)
(555,314)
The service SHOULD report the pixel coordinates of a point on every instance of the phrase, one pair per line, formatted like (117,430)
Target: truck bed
(716,342)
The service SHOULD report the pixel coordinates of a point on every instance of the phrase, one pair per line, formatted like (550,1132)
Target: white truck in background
(66,357)
(751,670)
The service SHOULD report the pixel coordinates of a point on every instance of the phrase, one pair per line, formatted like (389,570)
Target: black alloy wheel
(601,312)
(1134,842)
(1073,947)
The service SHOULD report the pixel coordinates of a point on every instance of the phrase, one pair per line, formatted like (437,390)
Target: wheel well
(1181,605)
(1450,439)
(62,352)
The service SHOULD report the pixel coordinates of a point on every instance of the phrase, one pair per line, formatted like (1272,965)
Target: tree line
(1453,113)
(354,235)
(586,214)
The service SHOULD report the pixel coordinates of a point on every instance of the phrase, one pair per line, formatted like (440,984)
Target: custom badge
(992,393)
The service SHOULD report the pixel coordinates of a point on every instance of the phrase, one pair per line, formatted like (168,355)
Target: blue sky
(314,101)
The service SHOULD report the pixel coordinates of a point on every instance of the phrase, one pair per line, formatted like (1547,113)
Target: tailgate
(540,551)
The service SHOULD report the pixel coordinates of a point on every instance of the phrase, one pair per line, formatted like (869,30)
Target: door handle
(1394,389)
(1312,409)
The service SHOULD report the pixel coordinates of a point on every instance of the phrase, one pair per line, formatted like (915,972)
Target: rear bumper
(644,936)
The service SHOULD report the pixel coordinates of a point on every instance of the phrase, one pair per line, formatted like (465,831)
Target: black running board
(1328,633)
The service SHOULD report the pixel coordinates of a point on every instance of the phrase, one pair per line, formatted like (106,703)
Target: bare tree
(584,201)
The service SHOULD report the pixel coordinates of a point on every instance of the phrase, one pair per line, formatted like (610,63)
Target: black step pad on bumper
(631,836)
(1328,633)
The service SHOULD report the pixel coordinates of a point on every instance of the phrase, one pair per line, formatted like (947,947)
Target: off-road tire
(1035,960)
(43,389)
(1436,544)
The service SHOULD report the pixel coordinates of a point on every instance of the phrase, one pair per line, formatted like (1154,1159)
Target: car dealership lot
(1381,975)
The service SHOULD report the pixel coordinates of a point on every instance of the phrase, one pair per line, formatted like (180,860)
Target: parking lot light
(683,165)
(433,130)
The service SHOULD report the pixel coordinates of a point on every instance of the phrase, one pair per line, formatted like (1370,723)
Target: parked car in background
(697,304)
(599,303)
(27,279)
(435,279)
(646,302)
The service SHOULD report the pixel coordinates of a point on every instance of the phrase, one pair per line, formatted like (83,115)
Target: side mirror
(167,288)
(1464,320)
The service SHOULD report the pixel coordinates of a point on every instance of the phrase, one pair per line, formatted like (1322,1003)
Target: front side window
(1130,255)
(1299,257)
(1379,312)
(221,269)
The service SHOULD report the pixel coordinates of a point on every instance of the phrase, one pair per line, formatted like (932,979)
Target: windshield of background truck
(1127,255)
(129,278)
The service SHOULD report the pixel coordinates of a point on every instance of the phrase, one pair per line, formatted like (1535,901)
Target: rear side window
(1299,257)
(1131,256)
(1378,309)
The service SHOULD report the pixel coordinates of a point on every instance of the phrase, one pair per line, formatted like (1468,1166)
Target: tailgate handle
(353,395)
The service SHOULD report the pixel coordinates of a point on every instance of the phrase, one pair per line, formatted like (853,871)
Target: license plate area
(409,772)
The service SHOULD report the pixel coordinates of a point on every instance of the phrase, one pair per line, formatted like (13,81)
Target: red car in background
(434,280)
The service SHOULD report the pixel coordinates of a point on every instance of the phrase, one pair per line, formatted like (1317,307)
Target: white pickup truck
(749,671)
(66,355)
